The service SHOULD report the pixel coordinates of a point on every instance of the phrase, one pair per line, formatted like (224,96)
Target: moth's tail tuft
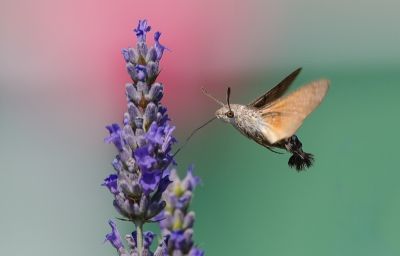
(299,159)
(300,162)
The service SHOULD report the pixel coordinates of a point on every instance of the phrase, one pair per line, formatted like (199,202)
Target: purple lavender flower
(111,183)
(148,238)
(159,48)
(143,158)
(116,136)
(196,252)
(140,72)
(114,237)
(141,30)
(150,180)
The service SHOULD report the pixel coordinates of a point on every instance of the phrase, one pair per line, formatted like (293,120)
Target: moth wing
(275,92)
(283,117)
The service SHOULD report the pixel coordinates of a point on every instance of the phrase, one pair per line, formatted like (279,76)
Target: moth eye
(230,114)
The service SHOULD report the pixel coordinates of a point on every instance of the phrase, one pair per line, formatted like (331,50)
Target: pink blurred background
(61,51)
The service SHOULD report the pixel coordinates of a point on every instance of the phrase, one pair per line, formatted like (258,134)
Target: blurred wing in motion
(275,92)
(283,117)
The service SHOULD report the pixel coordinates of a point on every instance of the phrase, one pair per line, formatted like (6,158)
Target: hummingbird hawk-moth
(272,120)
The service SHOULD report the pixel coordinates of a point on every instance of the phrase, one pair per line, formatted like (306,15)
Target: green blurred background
(62,81)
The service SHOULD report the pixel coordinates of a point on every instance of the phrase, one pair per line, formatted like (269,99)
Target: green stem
(139,234)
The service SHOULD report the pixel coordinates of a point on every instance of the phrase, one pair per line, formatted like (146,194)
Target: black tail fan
(300,162)
(299,159)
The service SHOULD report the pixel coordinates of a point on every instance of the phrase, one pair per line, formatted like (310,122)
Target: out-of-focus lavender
(144,144)
(176,220)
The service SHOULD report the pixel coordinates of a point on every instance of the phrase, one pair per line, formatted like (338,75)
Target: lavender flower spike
(176,220)
(142,187)
(143,147)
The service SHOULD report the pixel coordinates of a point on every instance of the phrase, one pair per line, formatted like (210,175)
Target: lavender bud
(141,139)
(188,240)
(130,137)
(155,208)
(136,189)
(144,202)
(177,252)
(128,162)
(124,182)
(149,116)
(188,220)
(119,210)
(116,164)
(190,181)
(129,185)
(171,198)
(124,204)
(168,220)
(151,55)
(126,54)
(146,252)
(142,88)
(134,96)
(133,111)
(159,118)
(142,48)
(122,252)
(184,201)
(127,119)
(125,154)
(156,93)
(173,175)
(130,68)
(139,122)
(136,209)
(128,130)
(131,141)
(133,55)
(177,219)
(162,248)
(152,72)
(131,241)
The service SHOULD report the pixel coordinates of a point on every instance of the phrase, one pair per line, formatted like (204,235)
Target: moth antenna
(192,134)
(212,96)
(228,95)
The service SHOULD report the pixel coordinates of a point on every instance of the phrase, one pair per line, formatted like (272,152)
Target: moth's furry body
(246,119)
(272,120)
(249,122)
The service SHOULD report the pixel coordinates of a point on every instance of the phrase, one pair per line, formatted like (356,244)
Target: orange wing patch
(283,117)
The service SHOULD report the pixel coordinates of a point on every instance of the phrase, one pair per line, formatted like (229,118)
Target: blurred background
(62,81)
